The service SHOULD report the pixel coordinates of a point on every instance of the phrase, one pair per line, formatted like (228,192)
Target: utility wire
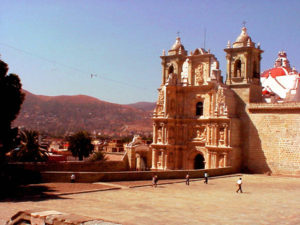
(74,68)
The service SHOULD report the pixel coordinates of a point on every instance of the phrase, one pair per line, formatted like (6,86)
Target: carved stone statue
(200,136)
(136,140)
(199,74)
(185,72)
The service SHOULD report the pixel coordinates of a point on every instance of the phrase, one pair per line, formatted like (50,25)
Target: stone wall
(88,177)
(74,166)
(274,138)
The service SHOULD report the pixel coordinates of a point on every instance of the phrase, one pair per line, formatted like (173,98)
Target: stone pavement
(266,200)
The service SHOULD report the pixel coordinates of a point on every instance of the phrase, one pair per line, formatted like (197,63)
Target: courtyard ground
(266,200)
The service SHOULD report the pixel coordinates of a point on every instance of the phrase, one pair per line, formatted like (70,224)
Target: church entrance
(199,162)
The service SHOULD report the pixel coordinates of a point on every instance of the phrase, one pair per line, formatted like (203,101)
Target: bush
(97,156)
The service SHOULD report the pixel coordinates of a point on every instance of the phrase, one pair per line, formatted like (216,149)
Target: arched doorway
(199,162)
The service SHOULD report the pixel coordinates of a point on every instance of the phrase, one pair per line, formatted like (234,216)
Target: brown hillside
(59,115)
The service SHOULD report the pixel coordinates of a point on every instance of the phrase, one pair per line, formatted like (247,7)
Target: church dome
(177,44)
(177,48)
(275,72)
(243,39)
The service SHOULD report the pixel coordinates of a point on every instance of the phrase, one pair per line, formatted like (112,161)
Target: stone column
(163,72)
(163,134)
(226,135)
(225,159)
(166,160)
(246,77)
(228,77)
(207,164)
(207,134)
(154,158)
(138,162)
(190,73)
(163,158)
(154,133)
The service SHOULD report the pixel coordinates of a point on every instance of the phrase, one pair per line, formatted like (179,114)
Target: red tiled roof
(275,72)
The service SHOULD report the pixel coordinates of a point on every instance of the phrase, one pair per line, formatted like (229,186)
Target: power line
(74,68)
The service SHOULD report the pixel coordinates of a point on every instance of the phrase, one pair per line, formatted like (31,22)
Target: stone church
(200,122)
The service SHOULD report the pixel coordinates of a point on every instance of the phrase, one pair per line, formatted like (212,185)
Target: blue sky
(54,46)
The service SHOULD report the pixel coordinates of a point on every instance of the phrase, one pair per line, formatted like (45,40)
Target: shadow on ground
(25,193)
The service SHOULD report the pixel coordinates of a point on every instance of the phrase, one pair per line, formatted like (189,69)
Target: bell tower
(243,67)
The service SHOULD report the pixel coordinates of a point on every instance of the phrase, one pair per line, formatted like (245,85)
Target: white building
(281,83)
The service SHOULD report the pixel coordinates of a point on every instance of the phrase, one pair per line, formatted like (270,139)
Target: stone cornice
(274,107)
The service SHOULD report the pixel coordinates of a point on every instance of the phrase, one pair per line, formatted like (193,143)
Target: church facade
(200,122)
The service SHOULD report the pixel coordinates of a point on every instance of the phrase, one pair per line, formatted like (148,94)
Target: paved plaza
(266,200)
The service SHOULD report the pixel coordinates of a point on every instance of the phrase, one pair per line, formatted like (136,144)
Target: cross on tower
(178,33)
(244,23)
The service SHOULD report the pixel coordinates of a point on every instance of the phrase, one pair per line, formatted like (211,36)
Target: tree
(11,99)
(80,144)
(29,149)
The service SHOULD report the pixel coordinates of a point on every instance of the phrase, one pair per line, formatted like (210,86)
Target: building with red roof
(281,83)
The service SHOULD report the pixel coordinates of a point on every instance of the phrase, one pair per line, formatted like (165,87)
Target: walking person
(187,179)
(239,184)
(153,181)
(205,178)
(72,178)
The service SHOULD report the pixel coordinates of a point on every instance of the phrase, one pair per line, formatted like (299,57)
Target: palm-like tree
(29,149)
(80,144)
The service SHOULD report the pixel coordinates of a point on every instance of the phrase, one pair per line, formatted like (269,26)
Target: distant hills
(60,115)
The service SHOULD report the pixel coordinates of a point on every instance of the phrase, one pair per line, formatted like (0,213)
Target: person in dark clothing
(187,179)
(205,178)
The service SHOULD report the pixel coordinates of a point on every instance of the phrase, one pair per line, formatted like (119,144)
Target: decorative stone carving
(172,79)
(184,73)
(221,107)
(136,140)
(199,74)
(159,135)
(160,102)
(201,135)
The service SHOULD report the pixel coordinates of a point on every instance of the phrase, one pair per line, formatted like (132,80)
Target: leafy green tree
(29,149)
(80,144)
(11,99)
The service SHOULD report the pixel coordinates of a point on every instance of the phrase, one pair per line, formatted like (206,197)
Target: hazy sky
(55,46)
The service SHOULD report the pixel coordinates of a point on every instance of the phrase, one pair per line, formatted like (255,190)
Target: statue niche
(201,74)
(185,73)
(200,135)
(160,102)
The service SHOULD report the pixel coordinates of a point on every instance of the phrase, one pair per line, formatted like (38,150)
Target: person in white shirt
(239,184)
(72,178)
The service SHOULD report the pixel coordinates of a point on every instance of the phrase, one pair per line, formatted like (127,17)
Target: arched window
(237,68)
(255,73)
(171,69)
(199,109)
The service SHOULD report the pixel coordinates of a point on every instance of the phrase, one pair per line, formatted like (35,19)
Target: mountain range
(62,115)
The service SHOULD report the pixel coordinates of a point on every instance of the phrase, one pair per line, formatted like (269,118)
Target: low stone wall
(90,177)
(105,166)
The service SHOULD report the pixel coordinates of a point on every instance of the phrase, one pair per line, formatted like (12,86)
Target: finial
(163,52)
(244,23)
(248,42)
(178,32)
(258,45)
(228,44)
